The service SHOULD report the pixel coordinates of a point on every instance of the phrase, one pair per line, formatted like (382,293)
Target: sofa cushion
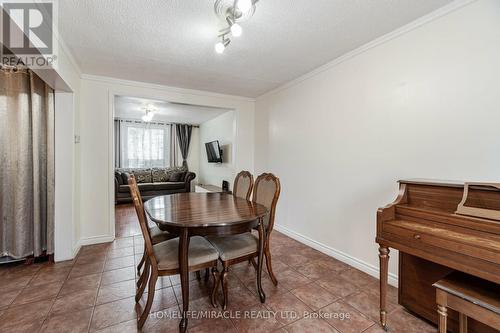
(177,176)
(118,177)
(147,187)
(163,174)
(125,176)
(159,175)
(124,189)
(169,186)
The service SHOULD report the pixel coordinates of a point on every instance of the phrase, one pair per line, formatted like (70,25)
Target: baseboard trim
(76,249)
(91,241)
(339,255)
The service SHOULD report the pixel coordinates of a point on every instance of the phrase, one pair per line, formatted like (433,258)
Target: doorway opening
(163,144)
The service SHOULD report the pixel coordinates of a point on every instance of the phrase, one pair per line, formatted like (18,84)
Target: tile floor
(95,293)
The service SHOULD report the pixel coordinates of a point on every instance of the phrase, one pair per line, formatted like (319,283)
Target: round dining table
(204,214)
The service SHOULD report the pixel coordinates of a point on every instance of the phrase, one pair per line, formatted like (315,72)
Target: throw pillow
(142,175)
(176,176)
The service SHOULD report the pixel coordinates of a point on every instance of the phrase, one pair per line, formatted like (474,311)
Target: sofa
(152,182)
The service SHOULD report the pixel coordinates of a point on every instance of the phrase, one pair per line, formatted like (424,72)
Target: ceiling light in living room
(149,113)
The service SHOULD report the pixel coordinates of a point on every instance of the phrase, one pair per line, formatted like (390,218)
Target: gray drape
(26,165)
(117,143)
(184,139)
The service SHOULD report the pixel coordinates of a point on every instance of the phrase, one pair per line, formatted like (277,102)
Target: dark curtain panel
(117,144)
(26,165)
(184,139)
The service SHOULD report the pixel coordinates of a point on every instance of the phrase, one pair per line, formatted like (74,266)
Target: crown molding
(438,13)
(202,93)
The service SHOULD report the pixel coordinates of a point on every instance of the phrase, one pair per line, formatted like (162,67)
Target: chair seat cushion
(200,252)
(157,235)
(235,246)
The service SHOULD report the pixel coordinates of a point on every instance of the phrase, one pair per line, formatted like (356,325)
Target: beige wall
(421,104)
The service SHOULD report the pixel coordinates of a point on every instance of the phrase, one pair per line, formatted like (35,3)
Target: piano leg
(443,316)
(384,272)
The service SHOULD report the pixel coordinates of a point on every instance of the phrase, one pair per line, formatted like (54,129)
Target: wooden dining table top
(202,210)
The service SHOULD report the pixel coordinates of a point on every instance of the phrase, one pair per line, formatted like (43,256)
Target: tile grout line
(97,295)
(22,289)
(58,293)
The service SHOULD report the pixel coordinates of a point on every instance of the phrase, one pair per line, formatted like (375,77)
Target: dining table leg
(184,273)
(260,260)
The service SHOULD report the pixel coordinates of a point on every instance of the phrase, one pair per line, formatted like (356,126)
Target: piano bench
(470,297)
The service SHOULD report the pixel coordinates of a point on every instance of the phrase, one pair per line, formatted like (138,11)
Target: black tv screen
(213,152)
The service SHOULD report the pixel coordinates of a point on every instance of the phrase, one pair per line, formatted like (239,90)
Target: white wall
(64,231)
(96,149)
(65,79)
(193,159)
(222,128)
(422,104)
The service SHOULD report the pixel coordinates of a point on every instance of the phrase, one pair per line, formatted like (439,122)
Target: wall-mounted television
(214,153)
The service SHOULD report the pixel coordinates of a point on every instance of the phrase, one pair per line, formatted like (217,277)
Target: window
(144,145)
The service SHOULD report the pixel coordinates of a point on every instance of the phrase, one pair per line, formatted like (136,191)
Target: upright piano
(439,227)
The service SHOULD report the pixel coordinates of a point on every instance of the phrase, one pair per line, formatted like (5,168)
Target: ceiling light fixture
(221,46)
(236,30)
(232,12)
(244,5)
(149,113)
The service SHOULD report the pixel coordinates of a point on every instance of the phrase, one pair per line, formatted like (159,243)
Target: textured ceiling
(171,42)
(133,108)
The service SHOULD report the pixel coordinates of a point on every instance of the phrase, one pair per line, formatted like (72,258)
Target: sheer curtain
(26,165)
(173,148)
(144,145)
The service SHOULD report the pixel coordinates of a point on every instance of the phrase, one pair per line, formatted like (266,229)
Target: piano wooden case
(433,240)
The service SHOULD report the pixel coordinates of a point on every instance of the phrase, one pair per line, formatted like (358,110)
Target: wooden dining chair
(162,259)
(243,184)
(239,248)
(157,236)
